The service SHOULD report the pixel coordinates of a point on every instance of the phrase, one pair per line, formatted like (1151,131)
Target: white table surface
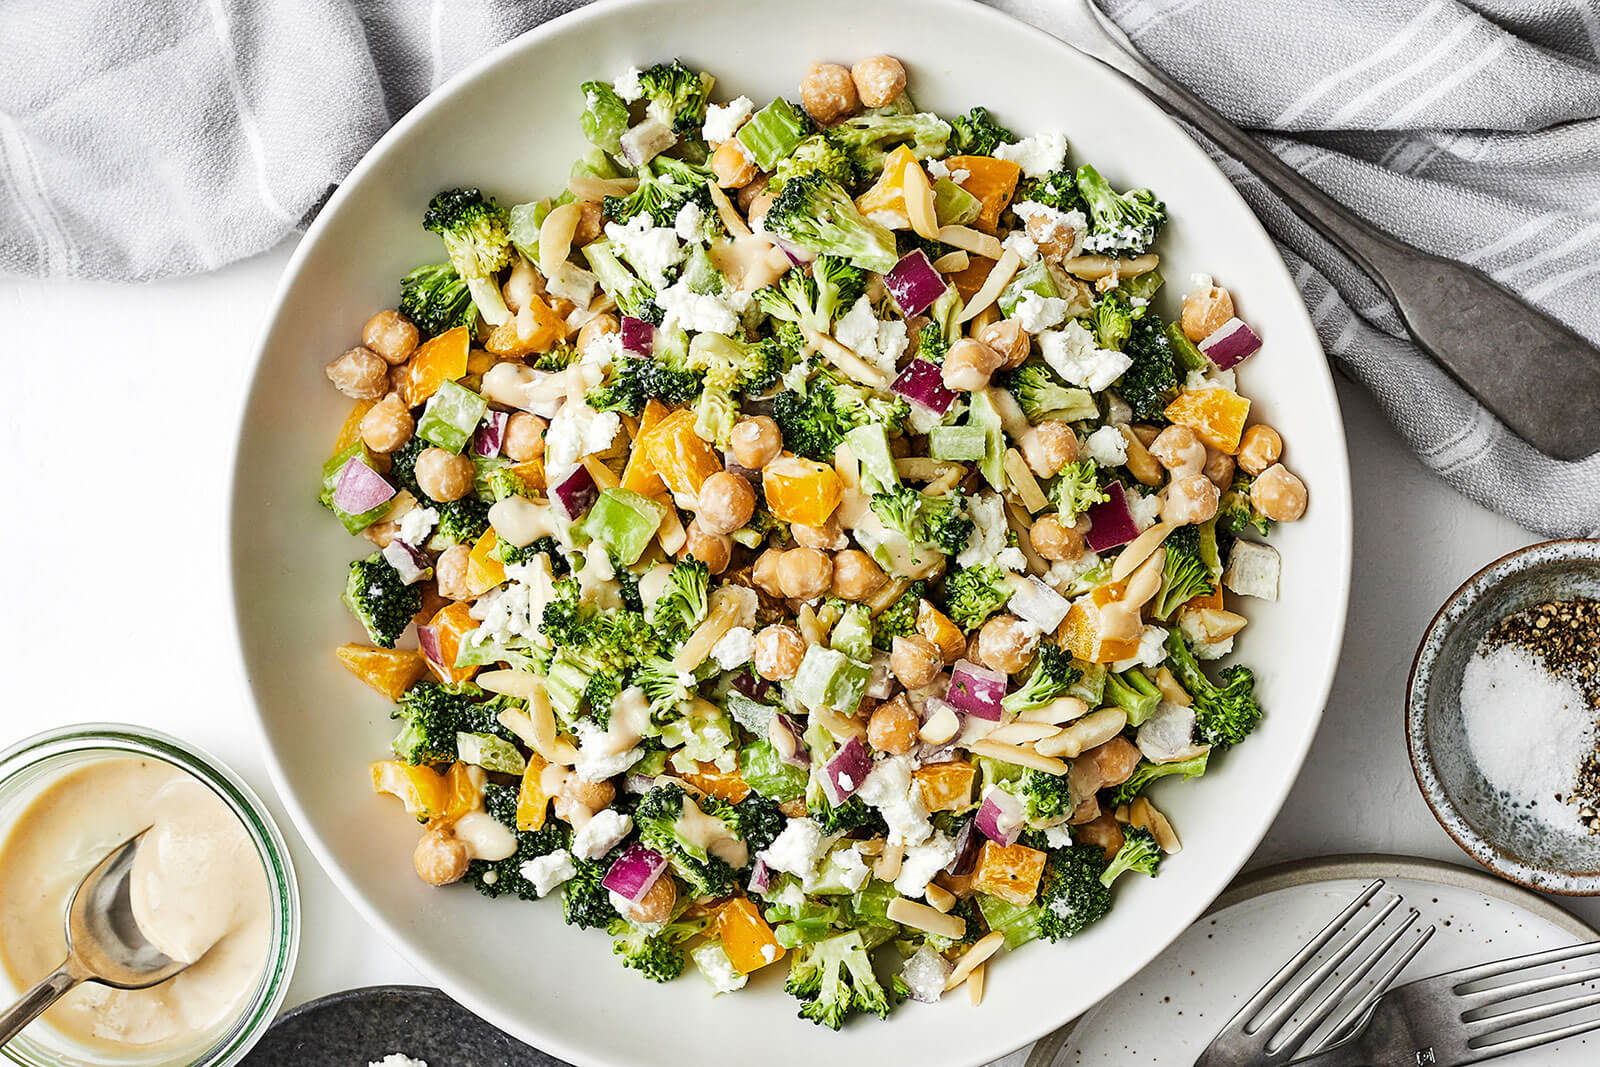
(117,412)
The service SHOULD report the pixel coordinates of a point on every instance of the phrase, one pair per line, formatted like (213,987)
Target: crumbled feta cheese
(627,85)
(989,530)
(938,168)
(404,563)
(416,524)
(701,312)
(1054,224)
(1146,509)
(879,343)
(395,1059)
(797,850)
(690,217)
(713,962)
(597,757)
(602,350)
(1072,353)
(1213,378)
(735,648)
(922,862)
(1058,836)
(1037,156)
(1038,313)
(1019,242)
(649,248)
(925,974)
(1152,650)
(791,896)
(852,869)
(1064,574)
(547,872)
(723,120)
(1107,447)
(578,430)
(508,618)
(601,834)
(769,952)
(890,789)
(1214,649)
(1012,559)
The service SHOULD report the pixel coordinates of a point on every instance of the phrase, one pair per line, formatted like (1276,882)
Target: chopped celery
(773,132)
(526,220)
(961,444)
(490,752)
(1017,925)
(852,634)
(1091,684)
(954,206)
(451,416)
(624,521)
(766,773)
(1142,286)
(830,679)
(483,479)
(605,116)
(1035,276)
(870,904)
(869,444)
(982,414)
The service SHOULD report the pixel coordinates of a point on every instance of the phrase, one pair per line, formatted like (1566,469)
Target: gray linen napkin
(148,138)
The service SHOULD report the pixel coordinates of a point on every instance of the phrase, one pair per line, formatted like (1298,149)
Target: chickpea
(1192,498)
(1205,310)
(779,650)
(450,572)
(855,575)
(968,365)
(591,222)
(805,573)
(388,424)
(444,476)
(715,550)
(1056,238)
(1006,644)
(893,727)
(828,93)
(602,325)
(578,800)
(754,199)
(1113,761)
(878,79)
(400,378)
(524,438)
(1219,468)
(360,374)
(1008,338)
(915,661)
(1180,451)
(732,165)
(1048,447)
(726,503)
(1054,540)
(1104,831)
(756,442)
(765,572)
(391,335)
(829,536)
(656,905)
(1278,494)
(1140,463)
(440,858)
(1259,448)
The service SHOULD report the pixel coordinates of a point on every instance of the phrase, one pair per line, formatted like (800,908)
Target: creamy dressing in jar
(199,893)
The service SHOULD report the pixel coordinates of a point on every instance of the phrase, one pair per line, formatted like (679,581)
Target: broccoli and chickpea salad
(813,535)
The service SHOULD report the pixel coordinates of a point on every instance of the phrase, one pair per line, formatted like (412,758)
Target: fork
(1441,1022)
(1249,1038)
(1538,375)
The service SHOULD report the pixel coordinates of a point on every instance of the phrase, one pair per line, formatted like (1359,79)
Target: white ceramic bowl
(510,125)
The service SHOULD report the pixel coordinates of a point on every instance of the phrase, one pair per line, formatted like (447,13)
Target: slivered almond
(885,598)
(1002,273)
(1023,757)
(555,237)
(537,726)
(951,262)
(604,477)
(1021,733)
(940,897)
(728,603)
(1146,815)
(941,726)
(975,983)
(846,360)
(918,192)
(588,187)
(727,212)
(1141,464)
(1171,691)
(811,629)
(837,725)
(1144,581)
(975,241)
(872,846)
(1020,522)
(975,957)
(922,469)
(888,866)
(1097,267)
(1139,550)
(1023,481)
(671,533)
(945,482)
(1059,711)
(921,917)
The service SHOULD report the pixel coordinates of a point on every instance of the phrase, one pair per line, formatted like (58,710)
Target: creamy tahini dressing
(198,888)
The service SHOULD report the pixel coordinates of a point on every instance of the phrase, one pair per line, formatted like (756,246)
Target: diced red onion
(844,773)
(360,488)
(761,877)
(914,283)
(1040,605)
(976,690)
(491,434)
(930,753)
(798,255)
(1111,523)
(638,783)
(576,493)
(751,684)
(638,336)
(1229,344)
(1000,817)
(634,872)
(410,563)
(428,642)
(732,466)
(794,753)
(922,383)
(968,842)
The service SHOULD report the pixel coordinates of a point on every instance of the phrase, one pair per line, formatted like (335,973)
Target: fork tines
(1483,1024)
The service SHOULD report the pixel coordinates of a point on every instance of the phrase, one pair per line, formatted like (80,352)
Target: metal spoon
(104,943)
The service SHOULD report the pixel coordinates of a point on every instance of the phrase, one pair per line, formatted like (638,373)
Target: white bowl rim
(1338,492)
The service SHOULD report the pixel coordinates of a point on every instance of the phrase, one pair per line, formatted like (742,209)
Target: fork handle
(1539,376)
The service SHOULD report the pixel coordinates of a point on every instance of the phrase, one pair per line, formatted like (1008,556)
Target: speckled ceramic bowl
(1505,838)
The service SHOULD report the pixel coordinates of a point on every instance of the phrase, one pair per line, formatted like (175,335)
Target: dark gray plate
(362,1026)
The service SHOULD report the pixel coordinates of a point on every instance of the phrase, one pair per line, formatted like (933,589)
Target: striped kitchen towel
(161,137)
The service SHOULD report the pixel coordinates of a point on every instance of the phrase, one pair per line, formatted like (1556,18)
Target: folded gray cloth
(172,136)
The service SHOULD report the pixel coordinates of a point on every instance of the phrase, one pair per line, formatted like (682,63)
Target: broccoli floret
(585,903)
(939,523)
(494,878)
(1139,852)
(1044,797)
(932,345)
(868,138)
(476,234)
(665,185)
(820,155)
(847,818)
(636,381)
(380,601)
(817,214)
(662,684)
(676,95)
(977,134)
(1224,714)
(432,714)
(1058,189)
(815,419)
(706,874)
(1052,673)
(461,521)
(900,618)
(1152,381)
(833,978)
(1077,488)
(1235,512)
(1122,222)
(814,300)
(436,300)
(1042,395)
(634,296)
(1184,574)
(732,365)
(682,605)
(403,466)
(972,594)
(508,553)
(1070,893)
(1113,317)
(655,949)
(759,820)
(1147,772)
(1133,692)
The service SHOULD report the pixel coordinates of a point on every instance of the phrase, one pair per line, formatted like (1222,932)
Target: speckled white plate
(1168,1012)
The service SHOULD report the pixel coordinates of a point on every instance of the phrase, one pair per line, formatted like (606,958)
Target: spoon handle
(32,1004)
